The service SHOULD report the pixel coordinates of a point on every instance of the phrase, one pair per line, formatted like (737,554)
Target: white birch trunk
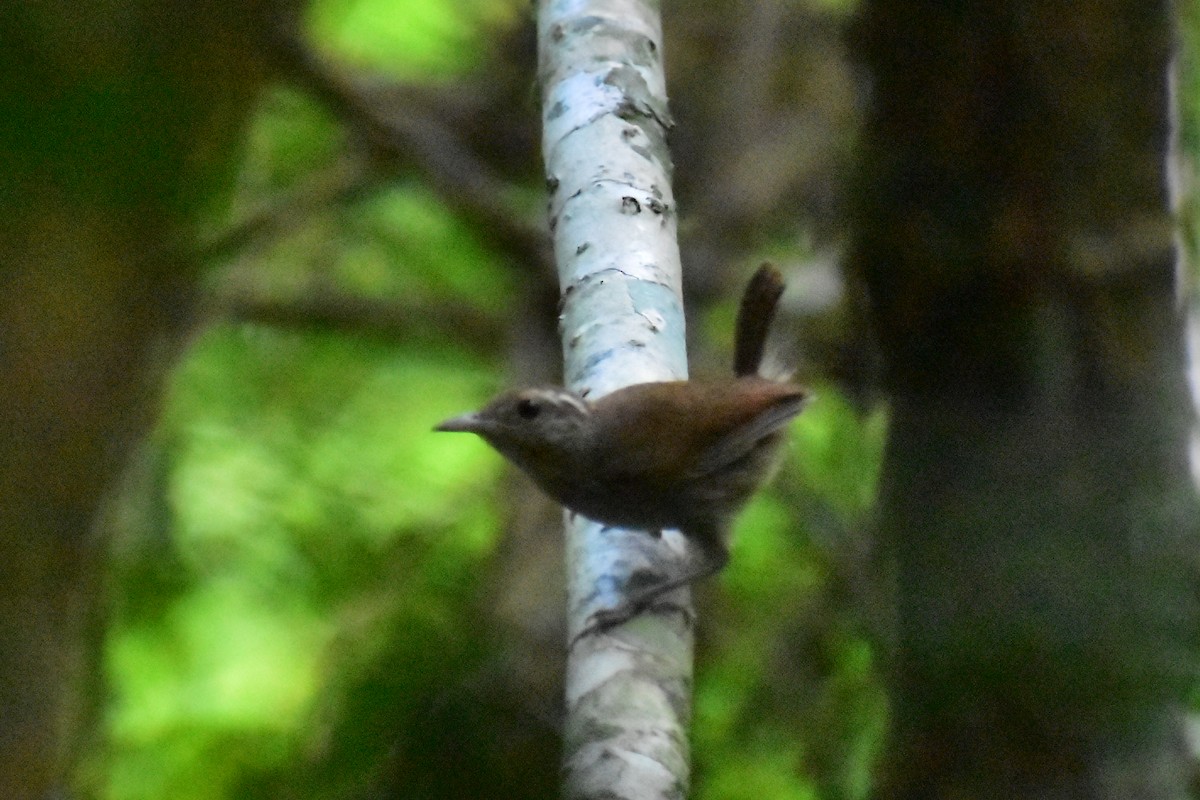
(613,219)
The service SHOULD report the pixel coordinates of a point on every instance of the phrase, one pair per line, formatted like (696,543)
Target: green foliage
(789,702)
(840,453)
(1188,94)
(407,39)
(316,517)
(771,771)
(404,225)
(292,137)
(298,550)
(395,241)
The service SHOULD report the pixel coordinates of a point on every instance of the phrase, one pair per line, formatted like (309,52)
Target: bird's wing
(739,440)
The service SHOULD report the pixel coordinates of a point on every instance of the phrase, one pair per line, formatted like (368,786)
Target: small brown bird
(674,454)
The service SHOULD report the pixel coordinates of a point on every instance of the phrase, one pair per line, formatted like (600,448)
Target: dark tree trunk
(1036,506)
(113,127)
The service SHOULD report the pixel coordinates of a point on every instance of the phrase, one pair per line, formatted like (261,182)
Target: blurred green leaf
(769,771)
(408,38)
(406,241)
(838,453)
(292,137)
(305,477)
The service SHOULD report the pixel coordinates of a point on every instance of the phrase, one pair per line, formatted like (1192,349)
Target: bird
(684,455)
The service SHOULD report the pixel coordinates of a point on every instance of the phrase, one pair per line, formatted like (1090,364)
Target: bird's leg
(713,556)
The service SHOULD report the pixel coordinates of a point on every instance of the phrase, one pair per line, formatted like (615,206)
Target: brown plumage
(675,454)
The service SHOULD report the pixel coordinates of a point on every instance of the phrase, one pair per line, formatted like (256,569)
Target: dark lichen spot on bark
(630,205)
(644,46)
(552,183)
(556,110)
(628,109)
(562,300)
(589,24)
(581,249)
(643,49)
(597,359)
(657,206)
(639,103)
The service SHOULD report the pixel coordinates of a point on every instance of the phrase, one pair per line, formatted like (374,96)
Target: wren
(676,454)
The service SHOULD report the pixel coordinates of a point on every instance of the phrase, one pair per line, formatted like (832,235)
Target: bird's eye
(528,409)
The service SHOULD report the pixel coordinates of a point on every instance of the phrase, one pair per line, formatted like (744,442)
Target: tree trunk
(114,128)
(613,218)
(1036,502)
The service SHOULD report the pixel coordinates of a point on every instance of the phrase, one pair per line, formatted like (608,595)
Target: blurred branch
(339,185)
(404,126)
(331,309)
(779,69)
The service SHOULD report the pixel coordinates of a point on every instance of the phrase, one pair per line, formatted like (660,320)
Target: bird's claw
(608,618)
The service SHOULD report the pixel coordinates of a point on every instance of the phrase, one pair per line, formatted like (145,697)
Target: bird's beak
(466,423)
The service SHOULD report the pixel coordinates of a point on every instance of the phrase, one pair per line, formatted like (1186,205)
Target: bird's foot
(606,619)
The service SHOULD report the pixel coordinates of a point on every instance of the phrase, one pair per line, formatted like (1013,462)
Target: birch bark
(613,220)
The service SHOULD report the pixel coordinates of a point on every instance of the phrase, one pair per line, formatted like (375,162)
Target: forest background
(252,253)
